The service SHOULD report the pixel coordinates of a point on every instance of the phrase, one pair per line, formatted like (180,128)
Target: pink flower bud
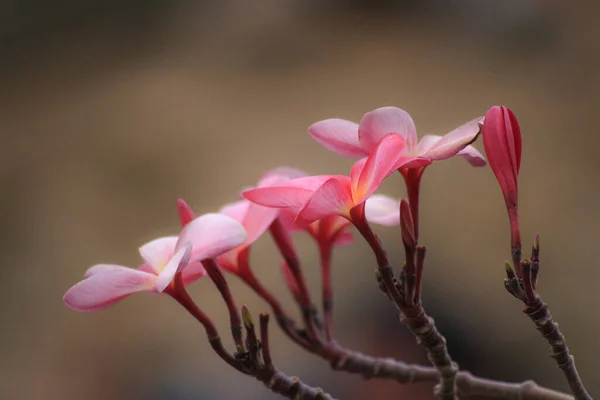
(502,144)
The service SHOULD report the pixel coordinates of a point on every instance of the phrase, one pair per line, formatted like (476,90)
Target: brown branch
(290,387)
(423,327)
(524,288)
(403,296)
(539,313)
(178,292)
(342,359)
(369,367)
(258,362)
(468,385)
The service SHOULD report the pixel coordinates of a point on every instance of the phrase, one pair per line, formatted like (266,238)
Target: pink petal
(101,290)
(356,170)
(344,239)
(293,193)
(287,217)
(383,210)
(179,261)
(211,235)
(411,162)
(158,252)
(279,175)
(453,142)
(186,215)
(426,143)
(278,197)
(333,225)
(329,229)
(333,197)
(100,268)
(311,182)
(257,221)
(376,124)
(237,210)
(146,268)
(338,135)
(193,272)
(473,156)
(379,165)
(469,153)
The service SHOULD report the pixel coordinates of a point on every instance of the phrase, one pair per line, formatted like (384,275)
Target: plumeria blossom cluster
(287,201)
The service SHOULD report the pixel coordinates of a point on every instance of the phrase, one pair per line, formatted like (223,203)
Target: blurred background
(111,110)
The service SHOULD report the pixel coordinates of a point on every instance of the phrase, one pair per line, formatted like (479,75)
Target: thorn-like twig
(539,313)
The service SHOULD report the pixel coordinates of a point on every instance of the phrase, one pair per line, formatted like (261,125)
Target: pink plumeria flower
(359,140)
(502,144)
(205,237)
(333,229)
(255,218)
(315,197)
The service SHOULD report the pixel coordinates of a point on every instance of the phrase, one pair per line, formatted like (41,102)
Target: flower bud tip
(509,271)
(247,318)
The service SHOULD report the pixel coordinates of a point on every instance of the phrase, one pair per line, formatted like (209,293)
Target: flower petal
(102,289)
(338,135)
(237,210)
(192,273)
(158,252)
(293,193)
(426,143)
(453,142)
(469,153)
(376,124)
(257,221)
(473,156)
(255,218)
(211,235)
(331,198)
(278,197)
(186,215)
(282,173)
(179,261)
(344,239)
(379,165)
(383,210)
(335,227)
(100,268)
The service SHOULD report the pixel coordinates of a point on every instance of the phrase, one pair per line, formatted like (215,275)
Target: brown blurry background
(111,110)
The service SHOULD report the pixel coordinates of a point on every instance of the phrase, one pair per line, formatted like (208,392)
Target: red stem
(282,319)
(327,290)
(178,292)
(284,243)
(362,225)
(412,179)
(214,272)
(264,339)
